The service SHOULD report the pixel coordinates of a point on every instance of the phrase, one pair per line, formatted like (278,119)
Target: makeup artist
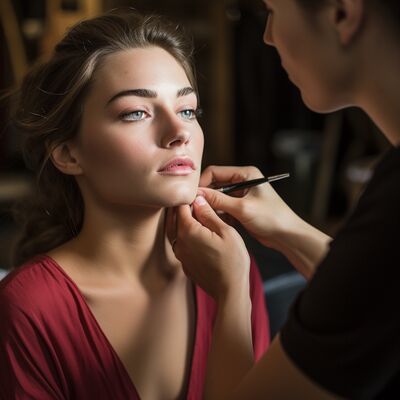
(342,337)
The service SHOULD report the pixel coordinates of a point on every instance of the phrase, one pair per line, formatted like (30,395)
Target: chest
(151,334)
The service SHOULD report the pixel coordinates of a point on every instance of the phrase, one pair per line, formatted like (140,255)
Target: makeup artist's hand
(212,253)
(260,209)
(264,214)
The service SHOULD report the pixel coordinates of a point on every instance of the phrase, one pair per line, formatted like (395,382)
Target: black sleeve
(344,329)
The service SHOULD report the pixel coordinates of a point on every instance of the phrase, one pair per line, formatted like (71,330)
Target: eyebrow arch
(184,91)
(147,93)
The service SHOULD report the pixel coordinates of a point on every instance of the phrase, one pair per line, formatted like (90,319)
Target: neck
(127,244)
(380,83)
(385,112)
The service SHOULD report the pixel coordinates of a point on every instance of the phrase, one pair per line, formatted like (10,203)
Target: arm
(303,245)
(267,217)
(276,377)
(259,316)
(216,262)
(231,354)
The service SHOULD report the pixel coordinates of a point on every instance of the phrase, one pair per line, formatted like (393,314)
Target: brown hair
(48,112)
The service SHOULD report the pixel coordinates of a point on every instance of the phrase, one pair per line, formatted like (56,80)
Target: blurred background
(253,115)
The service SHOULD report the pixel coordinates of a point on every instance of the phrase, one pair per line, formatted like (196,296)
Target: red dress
(51,346)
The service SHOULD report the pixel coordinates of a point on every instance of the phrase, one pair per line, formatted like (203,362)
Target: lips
(178,166)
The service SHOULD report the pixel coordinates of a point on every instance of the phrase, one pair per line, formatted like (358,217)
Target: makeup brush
(233,187)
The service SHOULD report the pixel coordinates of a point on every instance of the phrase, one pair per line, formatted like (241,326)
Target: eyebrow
(147,93)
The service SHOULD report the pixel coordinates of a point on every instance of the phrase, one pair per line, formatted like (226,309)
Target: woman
(342,337)
(101,309)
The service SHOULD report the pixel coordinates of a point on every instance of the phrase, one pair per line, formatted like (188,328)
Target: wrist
(304,245)
(281,230)
(234,294)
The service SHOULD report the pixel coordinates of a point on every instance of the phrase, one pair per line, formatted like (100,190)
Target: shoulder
(377,214)
(385,180)
(32,287)
(390,162)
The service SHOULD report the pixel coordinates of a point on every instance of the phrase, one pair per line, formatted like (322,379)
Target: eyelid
(124,114)
(196,113)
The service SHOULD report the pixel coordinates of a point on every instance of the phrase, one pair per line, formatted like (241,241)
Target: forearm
(303,245)
(231,355)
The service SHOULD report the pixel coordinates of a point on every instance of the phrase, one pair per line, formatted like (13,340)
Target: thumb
(222,202)
(207,216)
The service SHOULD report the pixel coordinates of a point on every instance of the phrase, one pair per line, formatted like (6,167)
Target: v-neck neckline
(127,377)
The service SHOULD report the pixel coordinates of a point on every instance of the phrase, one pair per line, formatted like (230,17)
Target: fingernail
(200,200)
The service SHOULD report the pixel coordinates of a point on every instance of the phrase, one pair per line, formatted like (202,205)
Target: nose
(174,131)
(268,32)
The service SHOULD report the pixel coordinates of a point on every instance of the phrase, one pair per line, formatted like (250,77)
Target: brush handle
(253,182)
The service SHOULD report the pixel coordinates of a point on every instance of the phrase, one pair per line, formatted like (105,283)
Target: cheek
(199,144)
(111,154)
(197,137)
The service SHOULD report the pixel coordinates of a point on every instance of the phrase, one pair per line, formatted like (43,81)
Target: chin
(183,199)
(321,105)
(182,196)
(324,99)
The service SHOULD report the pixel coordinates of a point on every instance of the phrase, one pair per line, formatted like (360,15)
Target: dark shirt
(51,346)
(344,329)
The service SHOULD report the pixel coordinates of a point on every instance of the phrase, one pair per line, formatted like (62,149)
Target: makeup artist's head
(109,120)
(328,47)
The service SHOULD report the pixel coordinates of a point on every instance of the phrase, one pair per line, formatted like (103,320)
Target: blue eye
(190,113)
(134,115)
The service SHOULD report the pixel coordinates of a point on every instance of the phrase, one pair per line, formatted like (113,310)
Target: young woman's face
(308,49)
(140,143)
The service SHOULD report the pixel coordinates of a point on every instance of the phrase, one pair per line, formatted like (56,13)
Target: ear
(348,18)
(65,159)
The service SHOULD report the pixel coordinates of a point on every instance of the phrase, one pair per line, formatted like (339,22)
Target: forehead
(149,67)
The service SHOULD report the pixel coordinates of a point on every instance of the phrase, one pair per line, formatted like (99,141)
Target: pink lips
(178,166)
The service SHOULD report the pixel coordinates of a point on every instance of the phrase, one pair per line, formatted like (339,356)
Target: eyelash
(124,116)
(195,113)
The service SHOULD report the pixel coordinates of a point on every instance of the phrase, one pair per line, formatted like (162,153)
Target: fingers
(223,174)
(207,216)
(184,217)
(222,202)
(206,219)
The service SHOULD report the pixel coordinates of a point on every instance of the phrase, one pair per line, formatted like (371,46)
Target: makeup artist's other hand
(212,253)
(260,210)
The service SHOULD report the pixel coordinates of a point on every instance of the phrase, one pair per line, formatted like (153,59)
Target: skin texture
(344,54)
(119,154)
(121,260)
